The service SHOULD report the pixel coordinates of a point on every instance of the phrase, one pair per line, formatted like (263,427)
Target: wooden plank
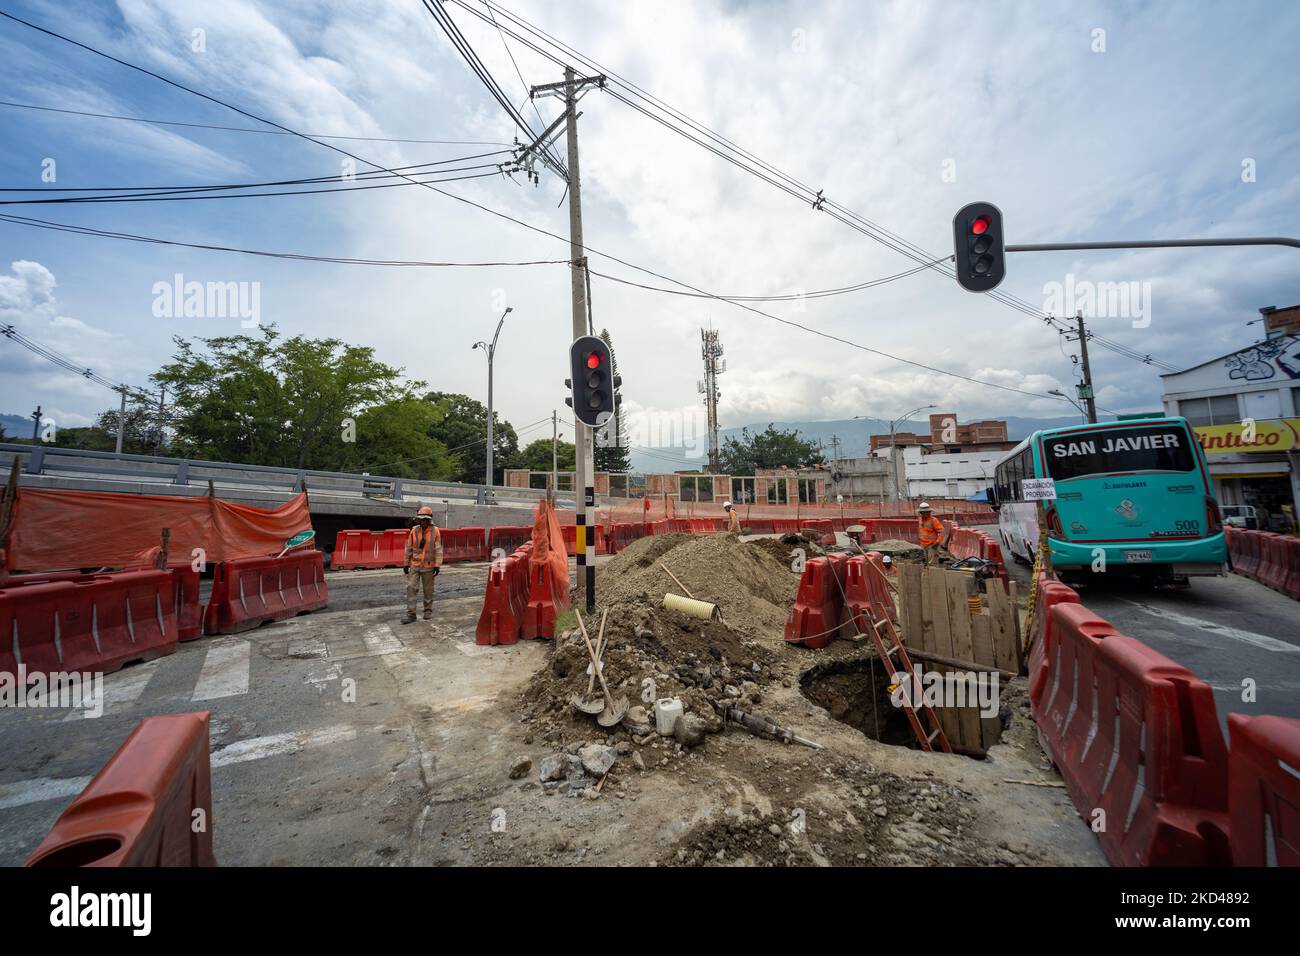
(909,593)
(956,585)
(949,718)
(1014,597)
(981,639)
(991,727)
(939,638)
(1003,618)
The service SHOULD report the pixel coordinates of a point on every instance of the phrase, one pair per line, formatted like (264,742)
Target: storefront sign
(1271,435)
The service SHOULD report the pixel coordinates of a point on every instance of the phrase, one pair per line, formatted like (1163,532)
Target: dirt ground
(732,798)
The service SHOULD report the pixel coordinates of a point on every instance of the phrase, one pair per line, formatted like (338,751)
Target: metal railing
(55,462)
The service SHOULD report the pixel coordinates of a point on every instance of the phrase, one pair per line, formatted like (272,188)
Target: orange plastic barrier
(1041,647)
(1264,790)
(189,611)
(251,592)
(391,547)
(893,529)
(150,805)
(355,549)
(759,525)
(865,586)
(623,534)
(818,607)
(464,544)
(507,538)
(783,525)
(505,601)
(545,601)
(96,622)
(1135,737)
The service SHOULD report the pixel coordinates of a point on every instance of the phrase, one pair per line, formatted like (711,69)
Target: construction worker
(424,558)
(733,518)
(929,532)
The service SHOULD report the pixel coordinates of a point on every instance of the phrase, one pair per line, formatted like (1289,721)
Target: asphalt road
(1231,632)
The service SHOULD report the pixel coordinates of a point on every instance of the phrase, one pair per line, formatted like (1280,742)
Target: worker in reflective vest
(423,562)
(929,532)
(733,517)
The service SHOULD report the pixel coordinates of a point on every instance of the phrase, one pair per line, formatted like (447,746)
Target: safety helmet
(425,512)
(923,506)
(726,504)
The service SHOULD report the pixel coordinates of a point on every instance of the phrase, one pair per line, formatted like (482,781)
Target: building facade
(1245,408)
(772,486)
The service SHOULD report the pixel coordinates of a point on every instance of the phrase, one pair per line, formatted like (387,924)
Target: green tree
(462,427)
(537,455)
(394,439)
(296,403)
(770,448)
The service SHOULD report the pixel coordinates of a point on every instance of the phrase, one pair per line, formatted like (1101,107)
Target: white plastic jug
(667,710)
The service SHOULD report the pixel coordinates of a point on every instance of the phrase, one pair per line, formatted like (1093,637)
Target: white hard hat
(923,506)
(726,504)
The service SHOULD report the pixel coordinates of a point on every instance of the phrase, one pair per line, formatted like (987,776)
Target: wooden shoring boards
(937,620)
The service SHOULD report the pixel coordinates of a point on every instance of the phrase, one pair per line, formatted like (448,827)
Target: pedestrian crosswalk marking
(123,688)
(225,671)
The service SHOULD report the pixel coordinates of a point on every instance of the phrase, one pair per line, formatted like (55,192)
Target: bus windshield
(1122,450)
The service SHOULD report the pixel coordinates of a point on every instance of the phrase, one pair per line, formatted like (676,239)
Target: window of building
(538,480)
(1216,410)
(618,486)
(742,490)
(565,481)
(808,491)
(776,492)
(695,487)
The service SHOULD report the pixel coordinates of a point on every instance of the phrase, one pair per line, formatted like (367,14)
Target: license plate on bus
(1137,557)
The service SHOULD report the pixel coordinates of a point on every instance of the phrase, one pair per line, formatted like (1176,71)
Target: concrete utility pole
(491,351)
(121,421)
(1086,393)
(584,467)
(36,428)
(555,455)
(714,365)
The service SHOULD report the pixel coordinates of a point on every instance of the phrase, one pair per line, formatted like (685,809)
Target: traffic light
(593,381)
(977,244)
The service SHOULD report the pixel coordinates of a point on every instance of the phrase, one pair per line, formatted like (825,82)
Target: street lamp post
(893,451)
(490,351)
(1060,394)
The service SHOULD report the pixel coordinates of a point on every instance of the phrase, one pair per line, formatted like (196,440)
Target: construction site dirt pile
(753,588)
(650,652)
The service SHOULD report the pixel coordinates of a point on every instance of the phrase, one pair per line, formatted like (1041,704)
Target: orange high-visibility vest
(733,520)
(424,548)
(931,531)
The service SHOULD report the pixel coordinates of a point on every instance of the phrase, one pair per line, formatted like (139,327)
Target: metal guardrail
(78,463)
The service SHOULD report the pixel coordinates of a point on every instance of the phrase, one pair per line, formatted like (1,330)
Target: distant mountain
(16,426)
(853,434)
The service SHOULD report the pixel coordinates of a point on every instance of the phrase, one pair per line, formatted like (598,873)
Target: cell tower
(714,365)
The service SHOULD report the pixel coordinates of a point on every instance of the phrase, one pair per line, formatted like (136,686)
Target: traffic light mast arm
(1152,244)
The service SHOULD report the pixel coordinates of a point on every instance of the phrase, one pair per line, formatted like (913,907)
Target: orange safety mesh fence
(54,529)
(548,549)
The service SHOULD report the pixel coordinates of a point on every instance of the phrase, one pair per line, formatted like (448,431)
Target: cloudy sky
(1082,121)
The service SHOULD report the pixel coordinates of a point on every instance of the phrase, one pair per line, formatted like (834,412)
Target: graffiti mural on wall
(1262,362)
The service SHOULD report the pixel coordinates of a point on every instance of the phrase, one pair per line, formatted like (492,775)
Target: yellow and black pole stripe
(583,545)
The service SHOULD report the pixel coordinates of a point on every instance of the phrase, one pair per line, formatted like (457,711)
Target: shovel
(615,710)
(585,703)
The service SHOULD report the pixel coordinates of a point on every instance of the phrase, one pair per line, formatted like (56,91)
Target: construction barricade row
(250,592)
(865,588)
(94,622)
(149,805)
(520,601)
(1271,559)
(504,539)
(1136,739)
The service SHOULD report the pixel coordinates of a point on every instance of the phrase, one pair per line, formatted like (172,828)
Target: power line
(339,260)
(365,174)
(246,129)
(504,216)
(61,360)
(193,195)
(760,168)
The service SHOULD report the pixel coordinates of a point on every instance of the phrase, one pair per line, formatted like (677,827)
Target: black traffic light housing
(593,380)
(978,247)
